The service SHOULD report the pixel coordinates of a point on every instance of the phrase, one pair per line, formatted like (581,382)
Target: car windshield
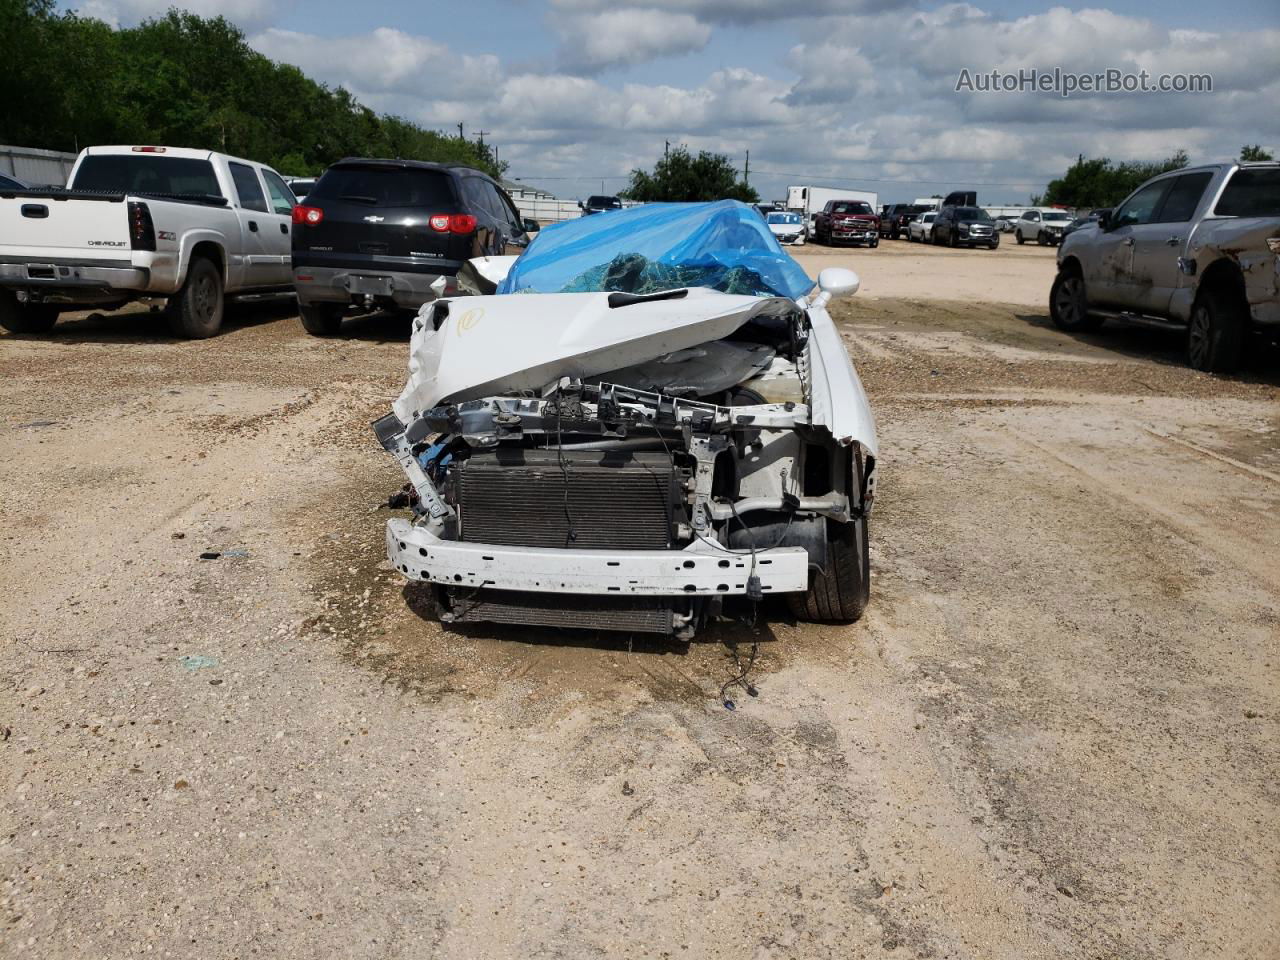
(1251,193)
(850,206)
(791,218)
(608,202)
(385,186)
(972,213)
(1057,215)
(147,173)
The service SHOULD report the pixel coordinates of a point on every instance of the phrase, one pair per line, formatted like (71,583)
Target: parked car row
(896,219)
(191,227)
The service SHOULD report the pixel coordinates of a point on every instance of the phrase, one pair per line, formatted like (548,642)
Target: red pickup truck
(847,221)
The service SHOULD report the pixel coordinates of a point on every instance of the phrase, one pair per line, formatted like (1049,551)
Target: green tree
(188,81)
(1101,183)
(683,178)
(1254,153)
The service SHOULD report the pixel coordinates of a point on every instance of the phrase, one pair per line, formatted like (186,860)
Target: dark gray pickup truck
(1195,250)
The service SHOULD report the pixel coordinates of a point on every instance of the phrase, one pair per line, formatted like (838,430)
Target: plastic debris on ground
(725,246)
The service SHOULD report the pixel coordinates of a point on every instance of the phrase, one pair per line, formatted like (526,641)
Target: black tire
(951,239)
(321,319)
(1069,303)
(25,317)
(1040,240)
(840,594)
(875,243)
(195,312)
(1017,235)
(1217,331)
(994,244)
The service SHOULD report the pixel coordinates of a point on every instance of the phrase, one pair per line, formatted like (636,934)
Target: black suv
(895,217)
(971,226)
(599,205)
(379,233)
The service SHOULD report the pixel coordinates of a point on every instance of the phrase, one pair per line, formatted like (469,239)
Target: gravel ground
(1054,734)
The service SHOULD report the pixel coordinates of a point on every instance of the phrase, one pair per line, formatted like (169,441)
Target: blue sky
(858,93)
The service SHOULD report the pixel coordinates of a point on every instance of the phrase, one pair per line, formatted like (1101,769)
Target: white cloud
(739,12)
(384,63)
(865,95)
(593,41)
(246,14)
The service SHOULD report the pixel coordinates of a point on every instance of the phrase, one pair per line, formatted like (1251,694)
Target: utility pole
(746,170)
(460,137)
(666,149)
(480,134)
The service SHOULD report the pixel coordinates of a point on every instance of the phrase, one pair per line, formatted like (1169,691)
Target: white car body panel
(695,570)
(493,269)
(837,399)
(498,344)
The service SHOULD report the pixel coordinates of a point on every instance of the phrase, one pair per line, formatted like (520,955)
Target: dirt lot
(1054,734)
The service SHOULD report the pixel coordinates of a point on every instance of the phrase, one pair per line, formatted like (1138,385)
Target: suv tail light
(452,222)
(142,232)
(307,216)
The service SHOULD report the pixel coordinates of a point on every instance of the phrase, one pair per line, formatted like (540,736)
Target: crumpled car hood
(500,344)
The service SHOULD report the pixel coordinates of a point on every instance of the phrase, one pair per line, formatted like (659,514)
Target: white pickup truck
(145,223)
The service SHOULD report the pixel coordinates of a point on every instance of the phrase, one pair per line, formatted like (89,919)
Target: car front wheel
(839,594)
(1019,237)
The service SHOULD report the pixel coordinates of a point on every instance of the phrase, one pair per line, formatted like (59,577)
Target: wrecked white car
(628,461)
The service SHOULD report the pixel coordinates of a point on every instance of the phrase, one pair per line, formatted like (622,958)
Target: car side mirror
(531,226)
(837,282)
(581,206)
(1104,221)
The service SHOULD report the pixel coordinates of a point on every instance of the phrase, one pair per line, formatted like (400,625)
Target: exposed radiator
(530,498)
(567,611)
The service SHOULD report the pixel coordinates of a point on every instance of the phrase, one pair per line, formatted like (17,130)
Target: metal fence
(546,209)
(39,168)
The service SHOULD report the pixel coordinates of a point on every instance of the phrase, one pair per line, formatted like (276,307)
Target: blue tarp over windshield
(660,246)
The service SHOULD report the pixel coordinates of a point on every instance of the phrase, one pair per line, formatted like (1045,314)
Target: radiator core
(616,500)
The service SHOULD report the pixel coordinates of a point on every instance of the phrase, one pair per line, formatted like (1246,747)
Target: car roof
(393,163)
(185,153)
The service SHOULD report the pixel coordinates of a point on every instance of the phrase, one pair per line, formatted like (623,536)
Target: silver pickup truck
(1194,250)
(164,224)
